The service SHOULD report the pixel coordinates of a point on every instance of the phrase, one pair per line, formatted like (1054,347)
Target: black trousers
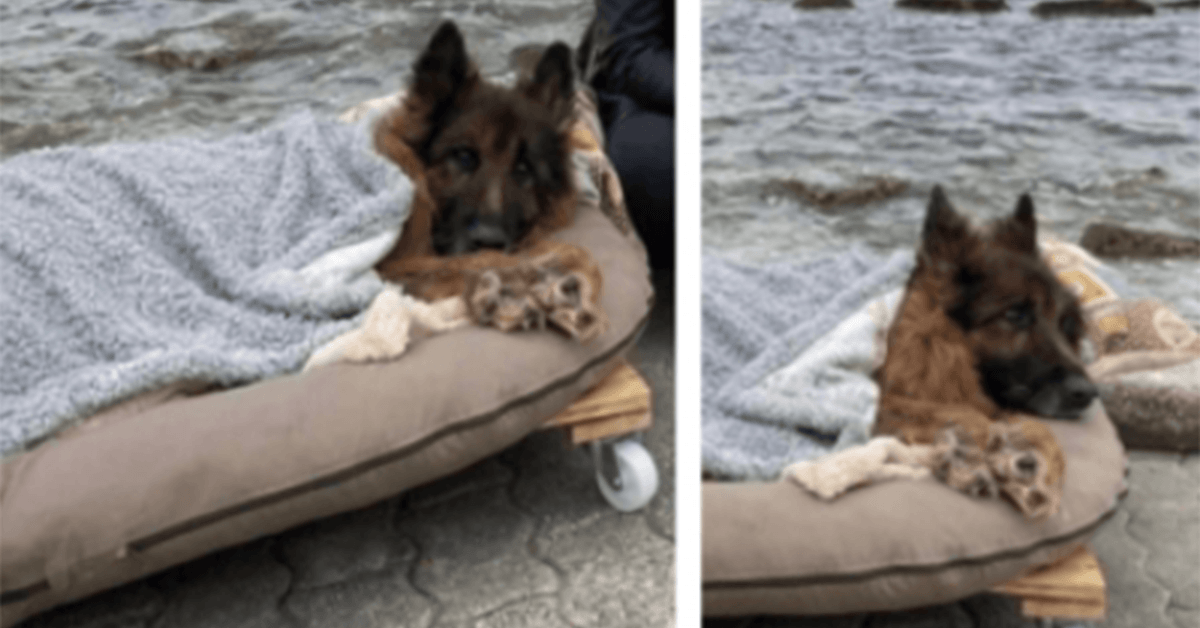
(641,145)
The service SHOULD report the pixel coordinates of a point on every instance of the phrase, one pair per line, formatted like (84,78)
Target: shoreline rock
(1108,8)
(1109,240)
(864,191)
(823,4)
(16,137)
(975,6)
(212,47)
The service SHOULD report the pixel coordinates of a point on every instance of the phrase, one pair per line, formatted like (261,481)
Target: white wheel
(636,477)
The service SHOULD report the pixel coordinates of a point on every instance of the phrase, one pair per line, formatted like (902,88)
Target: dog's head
(1022,325)
(497,160)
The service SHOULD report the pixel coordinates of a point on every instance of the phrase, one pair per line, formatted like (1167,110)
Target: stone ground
(522,539)
(1150,551)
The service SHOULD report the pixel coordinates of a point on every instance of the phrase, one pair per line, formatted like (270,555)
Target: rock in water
(1112,8)
(824,4)
(1108,240)
(976,6)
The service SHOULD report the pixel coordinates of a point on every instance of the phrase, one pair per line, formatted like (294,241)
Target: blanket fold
(787,355)
(126,267)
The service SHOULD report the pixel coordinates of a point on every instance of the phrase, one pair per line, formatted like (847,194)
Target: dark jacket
(629,49)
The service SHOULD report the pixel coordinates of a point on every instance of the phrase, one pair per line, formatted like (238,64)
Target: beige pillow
(1147,363)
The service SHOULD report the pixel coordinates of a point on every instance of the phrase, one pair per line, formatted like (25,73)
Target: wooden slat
(1061,609)
(617,405)
(612,427)
(621,392)
(1073,587)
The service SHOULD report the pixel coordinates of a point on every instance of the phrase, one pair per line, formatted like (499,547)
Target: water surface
(1098,117)
(76,70)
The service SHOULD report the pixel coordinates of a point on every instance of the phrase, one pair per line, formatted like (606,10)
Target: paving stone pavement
(1150,552)
(522,539)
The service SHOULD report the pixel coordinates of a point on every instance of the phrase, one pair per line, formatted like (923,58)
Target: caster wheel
(625,474)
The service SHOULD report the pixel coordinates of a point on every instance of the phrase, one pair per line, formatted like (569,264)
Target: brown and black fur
(492,177)
(985,336)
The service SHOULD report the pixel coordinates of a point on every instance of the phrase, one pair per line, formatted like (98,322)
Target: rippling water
(1078,111)
(70,69)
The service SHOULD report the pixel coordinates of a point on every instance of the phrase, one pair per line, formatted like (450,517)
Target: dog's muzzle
(1078,392)
(482,233)
(1064,398)
(487,234)
(1031,386)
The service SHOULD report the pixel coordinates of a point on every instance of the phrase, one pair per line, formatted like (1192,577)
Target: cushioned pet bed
(172,475)
(788,379)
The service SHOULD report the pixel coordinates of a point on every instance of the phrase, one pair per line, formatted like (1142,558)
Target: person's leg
(641,145)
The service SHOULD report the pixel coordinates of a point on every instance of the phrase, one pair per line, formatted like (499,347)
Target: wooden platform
(1072,588)
(619,404)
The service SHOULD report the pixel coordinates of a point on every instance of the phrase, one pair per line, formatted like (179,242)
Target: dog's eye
(1070,327)
(523,171)
(1019,316)
(466,159)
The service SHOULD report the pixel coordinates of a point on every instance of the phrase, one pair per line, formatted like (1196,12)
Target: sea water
(1099,118)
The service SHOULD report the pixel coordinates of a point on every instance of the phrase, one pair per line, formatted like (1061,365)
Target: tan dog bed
(904,540)
(774,548)
(172,476)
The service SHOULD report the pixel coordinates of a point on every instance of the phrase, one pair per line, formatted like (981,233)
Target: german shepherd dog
(492,177)
(985,336)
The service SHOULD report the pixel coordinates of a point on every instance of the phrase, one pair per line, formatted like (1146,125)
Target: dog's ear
(945,231)
(1019,231)
(553,81)
(443,69)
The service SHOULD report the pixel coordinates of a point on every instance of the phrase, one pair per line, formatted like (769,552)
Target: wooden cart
(619,406)
(1072,588)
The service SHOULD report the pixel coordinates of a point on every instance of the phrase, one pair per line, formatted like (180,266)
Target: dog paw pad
(557,290)
(570,289)
(581,323)
(485,298)
(1034,501)
(534,316)
(1026,466)
(981,485)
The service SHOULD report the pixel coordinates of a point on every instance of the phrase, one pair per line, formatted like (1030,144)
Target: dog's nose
(1079,390)
(487,235)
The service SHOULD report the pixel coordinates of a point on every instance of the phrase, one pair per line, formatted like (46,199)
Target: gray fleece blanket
(127,267)
(786,358)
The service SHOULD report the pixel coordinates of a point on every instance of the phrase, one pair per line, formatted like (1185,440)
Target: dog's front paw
(1010,456)
(963,466)
(1022,472)
(1035,500)
(484,297)
(556,289)
(504,299)
(519,313)
(570,303)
